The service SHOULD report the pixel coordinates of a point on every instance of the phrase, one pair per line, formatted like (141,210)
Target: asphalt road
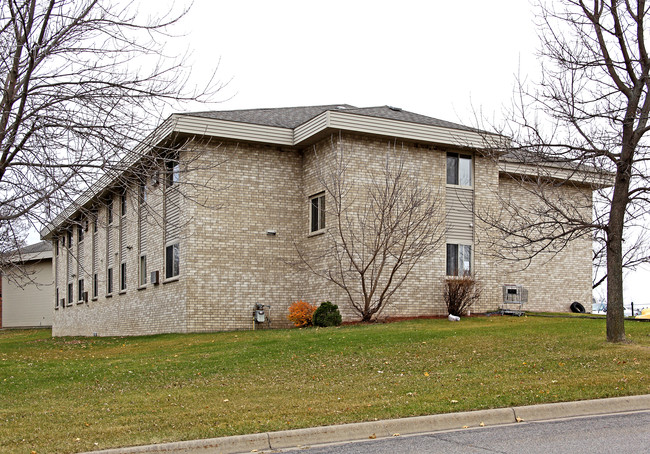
(618,433)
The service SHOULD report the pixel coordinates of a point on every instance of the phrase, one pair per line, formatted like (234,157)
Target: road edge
(392,427)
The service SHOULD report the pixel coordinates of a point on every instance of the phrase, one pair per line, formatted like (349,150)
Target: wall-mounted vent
(155,277)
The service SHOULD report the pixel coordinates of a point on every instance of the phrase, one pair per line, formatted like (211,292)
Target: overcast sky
(437,58)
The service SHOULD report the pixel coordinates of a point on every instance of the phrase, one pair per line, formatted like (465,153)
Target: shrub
(327,315)
(461,293)
(301,313)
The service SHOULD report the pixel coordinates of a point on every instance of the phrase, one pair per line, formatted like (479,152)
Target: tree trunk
(615,308)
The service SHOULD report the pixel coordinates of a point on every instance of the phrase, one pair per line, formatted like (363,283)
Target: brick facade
(245,208)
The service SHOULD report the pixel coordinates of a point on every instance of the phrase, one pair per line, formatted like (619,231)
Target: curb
(392,427)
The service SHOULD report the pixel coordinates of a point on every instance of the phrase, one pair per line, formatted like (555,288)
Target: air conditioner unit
(85,295)
(62,302)
(514,297)
(154,278)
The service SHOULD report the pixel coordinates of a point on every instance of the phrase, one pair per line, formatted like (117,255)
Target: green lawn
(75,394)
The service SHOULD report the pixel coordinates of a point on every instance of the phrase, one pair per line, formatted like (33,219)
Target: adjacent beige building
(27,291)
(208,218)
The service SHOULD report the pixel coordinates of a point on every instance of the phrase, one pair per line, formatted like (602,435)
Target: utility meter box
(259,316)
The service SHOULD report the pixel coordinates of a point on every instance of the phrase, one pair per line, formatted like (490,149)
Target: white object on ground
(453,318)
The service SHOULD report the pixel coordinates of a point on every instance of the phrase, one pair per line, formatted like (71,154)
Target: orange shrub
(301,313)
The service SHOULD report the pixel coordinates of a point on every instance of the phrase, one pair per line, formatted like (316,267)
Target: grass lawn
(75,394)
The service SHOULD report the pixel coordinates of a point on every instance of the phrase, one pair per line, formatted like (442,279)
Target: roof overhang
(578,175)
(328,122)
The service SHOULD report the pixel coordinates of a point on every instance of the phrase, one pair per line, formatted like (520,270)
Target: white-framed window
(172,170)
(172,261)
(109,281)
(143,270)
(109,211)
(122,276)
(70,293)
(459,169)
(80,291)
(459,259)
(317,212)
(123,204)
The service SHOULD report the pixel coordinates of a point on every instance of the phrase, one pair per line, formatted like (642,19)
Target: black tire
(577,308)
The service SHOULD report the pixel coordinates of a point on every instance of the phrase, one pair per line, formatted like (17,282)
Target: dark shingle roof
(42,246)
(291,117)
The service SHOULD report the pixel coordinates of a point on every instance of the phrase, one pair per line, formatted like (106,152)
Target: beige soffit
(589,177)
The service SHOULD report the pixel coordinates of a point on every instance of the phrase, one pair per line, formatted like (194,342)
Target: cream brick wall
(233,193)
(146,310)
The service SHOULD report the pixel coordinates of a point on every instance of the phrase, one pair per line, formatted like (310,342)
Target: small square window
(172,261)
(316,213)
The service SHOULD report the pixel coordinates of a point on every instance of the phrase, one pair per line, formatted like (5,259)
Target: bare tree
(583,127)
(83,83)
(380,224)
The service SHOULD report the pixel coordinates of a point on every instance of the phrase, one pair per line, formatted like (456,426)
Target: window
(56,248)
(80,233)
(317,213)
(123,204)
(56,298)
(95,286)
(459,169)
(459,259)
(143,270)
(69,233)
(70,292)
(123,276)
(142,194)
(95,222)
(172,171)
(172,261)
(80,290)
(109,209)
(109,281)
